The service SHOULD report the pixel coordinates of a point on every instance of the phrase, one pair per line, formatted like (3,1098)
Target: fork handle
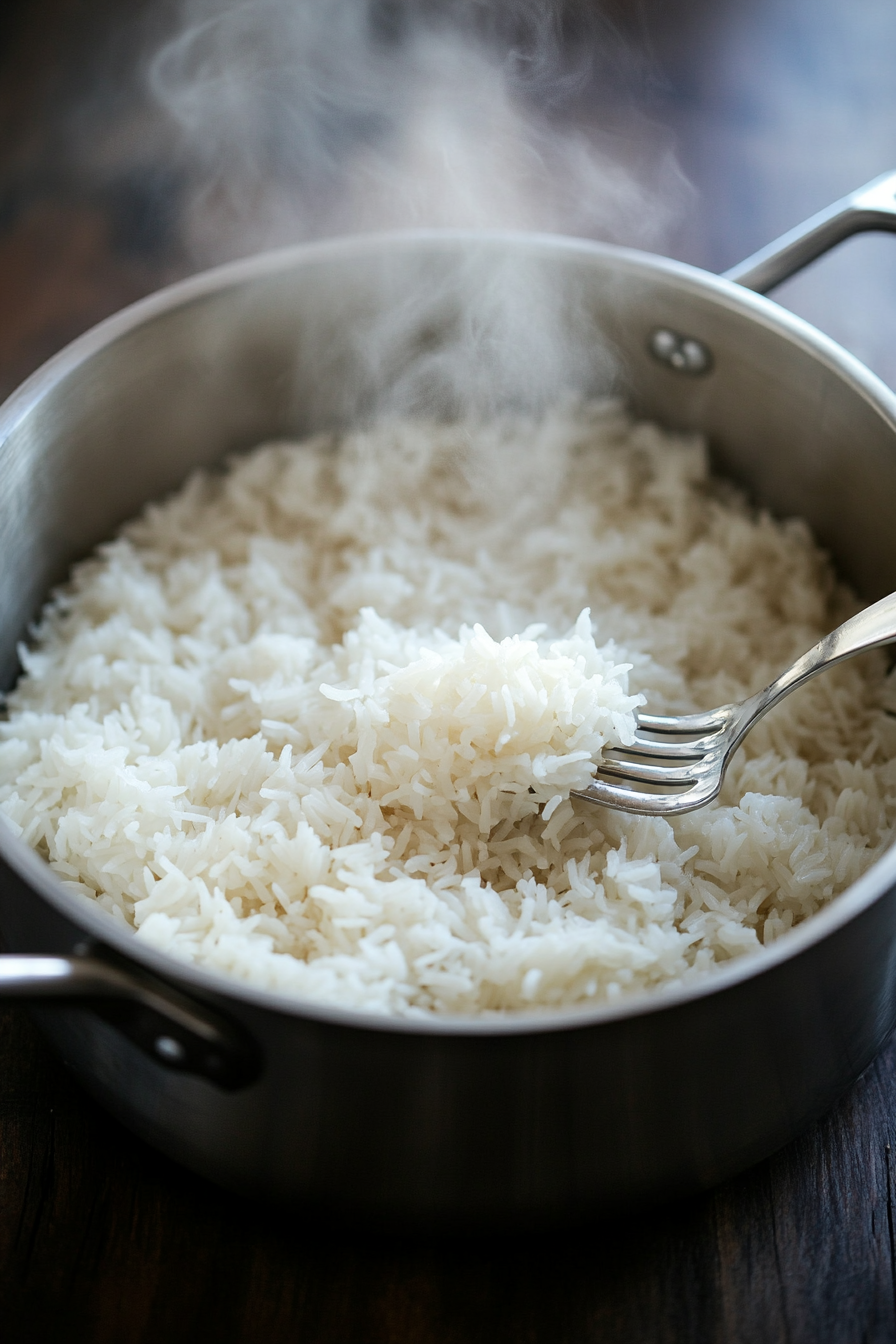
(869,629)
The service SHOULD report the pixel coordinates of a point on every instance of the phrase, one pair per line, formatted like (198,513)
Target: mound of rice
(314,723)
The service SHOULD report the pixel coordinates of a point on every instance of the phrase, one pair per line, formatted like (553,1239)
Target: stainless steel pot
(531,1116)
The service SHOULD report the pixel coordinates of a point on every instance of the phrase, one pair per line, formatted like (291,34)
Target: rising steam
(301,119)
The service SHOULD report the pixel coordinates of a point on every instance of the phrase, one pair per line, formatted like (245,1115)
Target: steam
(302,119)
(299,119)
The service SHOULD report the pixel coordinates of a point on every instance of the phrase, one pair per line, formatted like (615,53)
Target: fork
(676,764)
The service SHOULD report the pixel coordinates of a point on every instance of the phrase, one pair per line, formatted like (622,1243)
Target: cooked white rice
(314,723)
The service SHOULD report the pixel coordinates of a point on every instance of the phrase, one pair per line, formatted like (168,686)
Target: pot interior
(323,337)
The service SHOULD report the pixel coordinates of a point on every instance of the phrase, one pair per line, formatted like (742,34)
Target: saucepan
(523,1117)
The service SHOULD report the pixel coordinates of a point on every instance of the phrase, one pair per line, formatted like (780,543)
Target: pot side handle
(870,207)
(177,1032)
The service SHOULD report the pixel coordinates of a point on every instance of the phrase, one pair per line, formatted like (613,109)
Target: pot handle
(870,207)
(175,1031)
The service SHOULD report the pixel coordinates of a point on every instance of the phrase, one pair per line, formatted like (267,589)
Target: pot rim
(98,923)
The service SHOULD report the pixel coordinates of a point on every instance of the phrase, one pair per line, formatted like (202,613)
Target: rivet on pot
(170,1050)
(684,354)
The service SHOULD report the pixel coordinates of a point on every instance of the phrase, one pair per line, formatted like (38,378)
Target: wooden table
(772,109)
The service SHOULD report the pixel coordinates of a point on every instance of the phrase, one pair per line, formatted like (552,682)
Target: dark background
(773,109)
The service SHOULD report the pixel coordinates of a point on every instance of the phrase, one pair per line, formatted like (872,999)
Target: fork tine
(632,800)
(692,750)
(660,804)
(709,722)
(641,772)
(677,762)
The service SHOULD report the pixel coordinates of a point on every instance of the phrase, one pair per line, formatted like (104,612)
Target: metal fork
(678,764)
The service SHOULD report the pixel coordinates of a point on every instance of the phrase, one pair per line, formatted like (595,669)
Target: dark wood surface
(102,1240)
(772,109)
